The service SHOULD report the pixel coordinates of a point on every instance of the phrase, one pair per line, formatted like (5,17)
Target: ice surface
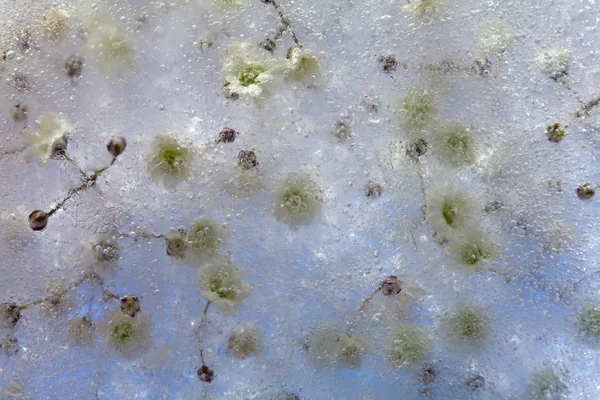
(301,280)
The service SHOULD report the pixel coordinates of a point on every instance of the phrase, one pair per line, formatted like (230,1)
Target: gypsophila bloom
(204,238)
(391,286)
(423,10)
(555,133)
(475,383)
(227,135)
(495,38)
(417,148)
(249,69)
(130,305)
(205,374)
(547,384)
(416,109)
(49,138)
(588,323)
(465,325)
(168,161)
(585,191)
(428,374)
(176,243)
(108,42)
(473,252)
(245,341)
(297,200)
(554,62)
(373,189)
(38,220)
(349,349)
(221,283)
(80,330)
(454,145)
(247,159)
(128,334)
(55,24)
(451,213)
(101,252)
(388,62)
(9,345)
(342,130)
(19,112)
(302,64)
(9,315)
(74,66)
(406,345)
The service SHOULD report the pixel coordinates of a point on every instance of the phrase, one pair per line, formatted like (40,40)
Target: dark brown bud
(373,189)
(116,145)
(417,148)
(38,220)
(388,62)
(475,383)
(205,374)
(586,191)
(59,147)
(130,305)
(227,135)
(268,44)
(428,374)
(74,66)
(176,243)
(555,133)
(9,315)
(247,159)
(391,285)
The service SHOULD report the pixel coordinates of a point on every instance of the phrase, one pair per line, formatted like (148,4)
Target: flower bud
(73,66)
(586,191)
(373,189)
(205,374)
(247,159)
(130,305)
(38,220)
(391,285)
(388,62)
(59,146)
(9,315)
(555,133)
(9,345)
(428,374)
(417,148)
(116,145)
(475,383)
(227,135)
(176,243)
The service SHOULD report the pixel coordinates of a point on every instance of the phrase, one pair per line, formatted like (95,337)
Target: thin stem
(284,21)
(369,298)
(13,151)
(199,329)
(587,107)
(421,182)
(143,235)
(580,281)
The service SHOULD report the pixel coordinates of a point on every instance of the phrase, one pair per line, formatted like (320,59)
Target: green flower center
(123,331)
(469,325)
(217,286)
(171,156)
(459,143)
(472,254)
(589,323)
(449,212)
(249,74)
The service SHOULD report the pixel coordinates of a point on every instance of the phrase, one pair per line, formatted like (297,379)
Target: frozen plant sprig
(49,139)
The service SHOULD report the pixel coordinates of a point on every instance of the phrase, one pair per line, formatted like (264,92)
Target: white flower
(108,42)
(49,138)
(55,24)
(127,334)
(302,64)
(168,161)
(554,62)
(221,283)
(423,10)
(495,38)
(248,69)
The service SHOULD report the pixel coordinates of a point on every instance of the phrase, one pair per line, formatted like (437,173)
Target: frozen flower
(391,285)
(473,252)
(9,345)
(9,315)
(423,10)
(428,374)
(80,330)
(465,325)
(554,62)
(58,298)
(249,69)
(49,138)
(127,334)
(204,238)
(373,189)
(451,212)
(342,130)
(74,66)
(176,243)
(55,24)
(417,148)
(101,252)
(205,374)
(297,200)
(116,145)
(406,345)
(588,323)
(221,283)
(555,133)
(495,37)
(130,305)
(227,135)
(247,159)
(349,350)
(19,112)
(108,42)
(245,341)
(417,109)
(482,66)
(454,145)
(547,384)
(586,191)
(38,220)
(302,64)
(475,383)
(388,62)
(168,161)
